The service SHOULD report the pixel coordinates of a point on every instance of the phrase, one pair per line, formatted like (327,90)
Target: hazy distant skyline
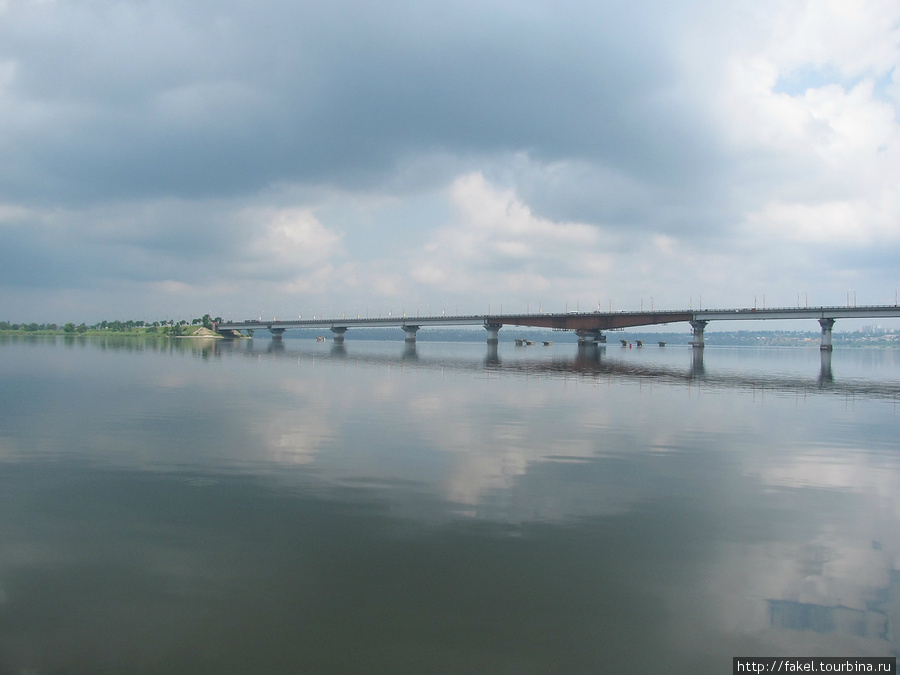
(168,159)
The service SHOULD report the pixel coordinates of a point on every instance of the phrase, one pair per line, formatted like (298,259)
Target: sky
(162,159)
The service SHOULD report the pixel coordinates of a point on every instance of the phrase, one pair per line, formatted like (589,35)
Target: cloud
(834,223)
(852,38)
(497,240)
(174,99)
(342,153)
(292,239)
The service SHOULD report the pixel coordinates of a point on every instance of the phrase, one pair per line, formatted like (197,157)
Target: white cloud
(838,222)
(496,239)
(292,238)
(801,105)
(852,36)
(500,216)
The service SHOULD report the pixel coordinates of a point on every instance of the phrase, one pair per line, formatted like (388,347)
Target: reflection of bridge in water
(589,361)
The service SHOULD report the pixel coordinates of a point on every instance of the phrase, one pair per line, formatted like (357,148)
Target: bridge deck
(587,321)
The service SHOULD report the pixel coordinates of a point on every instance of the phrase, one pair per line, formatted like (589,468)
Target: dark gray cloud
(83,249)
(129,101)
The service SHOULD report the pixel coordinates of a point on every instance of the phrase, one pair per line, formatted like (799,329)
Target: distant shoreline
(192,332)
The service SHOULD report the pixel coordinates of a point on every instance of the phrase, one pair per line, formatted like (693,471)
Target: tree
(69,328)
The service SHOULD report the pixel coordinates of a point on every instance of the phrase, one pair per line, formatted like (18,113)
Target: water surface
(259,506)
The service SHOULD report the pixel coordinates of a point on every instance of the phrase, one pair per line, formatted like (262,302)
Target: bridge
(588,326)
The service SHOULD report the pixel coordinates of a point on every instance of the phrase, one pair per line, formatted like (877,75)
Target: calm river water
(256,507)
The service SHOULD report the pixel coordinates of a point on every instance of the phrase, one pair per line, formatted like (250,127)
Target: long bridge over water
(588,326)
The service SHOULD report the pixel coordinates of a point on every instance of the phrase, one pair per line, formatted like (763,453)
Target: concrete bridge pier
(339,333)
(825,376)
(697,369)
(276,333)
(493,330)
(590,337)
(410,332)
(827,325)
(492,360)
(699,326)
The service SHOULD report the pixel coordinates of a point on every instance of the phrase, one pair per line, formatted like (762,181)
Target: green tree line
(164,327)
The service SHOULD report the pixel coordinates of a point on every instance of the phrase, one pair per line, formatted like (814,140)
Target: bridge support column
(493,330)
(827,325)
(696,362)
(492,360)
(410,332)
(699,326)
(825,370)
(339,333)
(276,333)
(590,337)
